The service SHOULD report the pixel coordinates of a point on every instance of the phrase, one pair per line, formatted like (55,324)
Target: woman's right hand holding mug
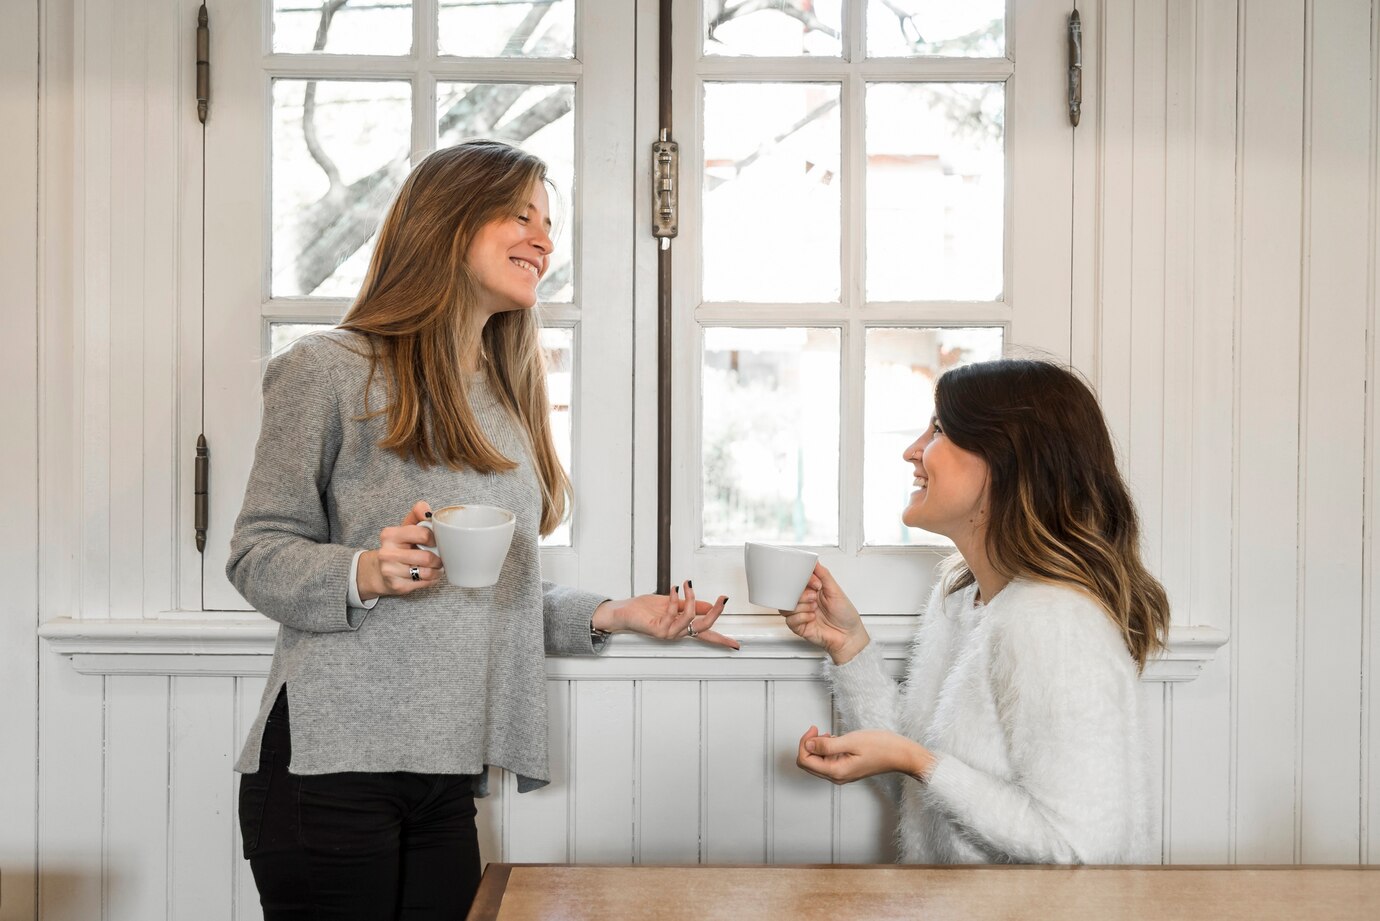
(390,569)
(825,617)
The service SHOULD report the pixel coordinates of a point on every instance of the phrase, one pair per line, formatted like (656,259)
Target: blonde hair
(1059,510)
(410,306)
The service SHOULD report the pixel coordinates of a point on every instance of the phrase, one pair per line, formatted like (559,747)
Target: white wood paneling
(536,825)
(1200,741)
(1147,429)
(202,814)
(1115,188)
(1154,705)
(736,774)
(72,792)
(800,824)
(1335,225)
(1265,622)
(603,775)
(670,771)
(136,802)
(1370,648)
(19,163)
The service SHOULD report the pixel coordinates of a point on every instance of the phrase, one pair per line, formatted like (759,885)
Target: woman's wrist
(604,619)
(848,650)
(922,763)
(367,579)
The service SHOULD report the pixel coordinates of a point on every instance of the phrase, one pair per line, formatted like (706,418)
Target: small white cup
(472,541)
(777,575)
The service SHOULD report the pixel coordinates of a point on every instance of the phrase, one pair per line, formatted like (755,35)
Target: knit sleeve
(1065,693)
(566,615)
(281,557)
(866,695)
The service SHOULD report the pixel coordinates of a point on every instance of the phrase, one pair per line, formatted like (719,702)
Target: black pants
(354,845)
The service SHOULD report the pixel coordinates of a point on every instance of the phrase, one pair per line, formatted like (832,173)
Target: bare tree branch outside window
(335,226)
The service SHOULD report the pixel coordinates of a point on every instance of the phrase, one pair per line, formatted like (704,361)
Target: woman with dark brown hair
(1017,734)
(400,687)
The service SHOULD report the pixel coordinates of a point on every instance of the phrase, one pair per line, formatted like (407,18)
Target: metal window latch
(203,472)
(1075,67)
(665,203)
(203,64)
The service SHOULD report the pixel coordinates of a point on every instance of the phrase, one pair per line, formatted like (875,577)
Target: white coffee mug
(777,575)
(472,541)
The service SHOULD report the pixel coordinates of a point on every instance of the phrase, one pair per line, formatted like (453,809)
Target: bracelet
(597,636)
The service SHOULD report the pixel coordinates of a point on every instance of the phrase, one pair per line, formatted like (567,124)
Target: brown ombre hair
(1058,509)
(410,306)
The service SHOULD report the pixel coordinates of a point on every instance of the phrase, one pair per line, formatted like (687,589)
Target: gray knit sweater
(444,680)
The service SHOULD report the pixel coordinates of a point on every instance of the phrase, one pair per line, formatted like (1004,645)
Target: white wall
(19,284)
(1227,246)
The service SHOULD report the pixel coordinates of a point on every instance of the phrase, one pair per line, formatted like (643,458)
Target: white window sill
(244,646)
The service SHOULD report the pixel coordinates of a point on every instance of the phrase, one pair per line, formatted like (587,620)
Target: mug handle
(428,526)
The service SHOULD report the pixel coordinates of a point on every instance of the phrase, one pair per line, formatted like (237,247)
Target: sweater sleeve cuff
(861,678)
(357,609)
(567,614)
(951,783)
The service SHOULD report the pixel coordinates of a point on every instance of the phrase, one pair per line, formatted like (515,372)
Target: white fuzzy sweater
(1031,706)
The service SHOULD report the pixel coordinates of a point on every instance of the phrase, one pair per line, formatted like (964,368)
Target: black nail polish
(428,514)
(675,590)
(689,583)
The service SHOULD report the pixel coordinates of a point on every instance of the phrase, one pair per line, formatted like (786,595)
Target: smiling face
(509,256)
(950,487)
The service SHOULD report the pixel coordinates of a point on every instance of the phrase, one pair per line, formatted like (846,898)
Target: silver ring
(693,632)
(416,574)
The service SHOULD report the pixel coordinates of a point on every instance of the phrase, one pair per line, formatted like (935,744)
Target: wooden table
(546,892)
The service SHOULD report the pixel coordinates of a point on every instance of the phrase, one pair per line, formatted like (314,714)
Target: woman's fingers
(398,577)
(411,535)
(417,513)
(705,619)
(407,556)
(685,615)
(716,638)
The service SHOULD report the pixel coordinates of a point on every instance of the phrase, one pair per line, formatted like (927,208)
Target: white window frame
(236,268)
(1035,312)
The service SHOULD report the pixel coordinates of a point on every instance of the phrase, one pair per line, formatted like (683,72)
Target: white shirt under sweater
(1031,707)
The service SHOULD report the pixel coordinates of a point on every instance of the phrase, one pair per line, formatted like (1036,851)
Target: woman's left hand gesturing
(855,755)
(665,617)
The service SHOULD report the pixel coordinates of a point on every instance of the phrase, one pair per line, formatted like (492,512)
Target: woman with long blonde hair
(1017,735)
(392,690)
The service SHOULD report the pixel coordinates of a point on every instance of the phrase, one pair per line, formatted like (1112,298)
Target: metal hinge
(1075,67)
(203,472)
(203,64)
(665,204)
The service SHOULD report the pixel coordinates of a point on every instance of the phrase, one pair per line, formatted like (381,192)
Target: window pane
(507,28)
(340,151)
(282,336)
(902,366)
(770,416)
(539,118)
(773,28)
(771,192)
(336,28)
(558,345)
(907,28)
(935,191)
